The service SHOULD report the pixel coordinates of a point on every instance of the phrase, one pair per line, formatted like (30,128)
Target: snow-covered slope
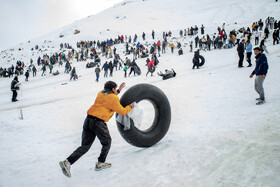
(217,137)
(137,16)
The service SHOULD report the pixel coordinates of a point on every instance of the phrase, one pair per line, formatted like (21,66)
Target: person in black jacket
(263,46)
(26,75)
(196,60)
(34,70)
(111,68)
(14,88)
(73,74)
(266,32)
(105,67)
(240,50)
(275,36)
(133,65)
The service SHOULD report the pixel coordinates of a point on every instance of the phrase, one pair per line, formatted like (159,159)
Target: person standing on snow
(275,36)
(202,29)
(158,46)
(153,34)
(263,46)
(260,71)
(143,36)
(249,48)
(14,88)
(97,72)
(172,46)
(196,41)
(73,74)
(240,50)
(257,36)
(34,70)
(106,104)
(105,67)
(26,75)
(44,70)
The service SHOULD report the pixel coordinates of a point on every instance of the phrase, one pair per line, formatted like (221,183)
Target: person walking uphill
(260,71)
(106,103)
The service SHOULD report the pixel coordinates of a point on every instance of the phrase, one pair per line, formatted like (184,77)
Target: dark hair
(109,85)
(257,48)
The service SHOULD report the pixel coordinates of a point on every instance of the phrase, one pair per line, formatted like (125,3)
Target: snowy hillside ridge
(161,15)
(127,2)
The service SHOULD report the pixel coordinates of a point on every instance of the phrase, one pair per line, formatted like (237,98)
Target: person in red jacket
(151,67)
(106,104)
(159,48)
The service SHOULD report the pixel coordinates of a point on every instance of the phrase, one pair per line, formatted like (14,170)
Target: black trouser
(257,41)
(195,63)
(14,97)
(241,58)
(93,127)
(275,40)
(249,58)
(132,70)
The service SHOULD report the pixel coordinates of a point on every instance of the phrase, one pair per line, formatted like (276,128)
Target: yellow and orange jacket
(105,105)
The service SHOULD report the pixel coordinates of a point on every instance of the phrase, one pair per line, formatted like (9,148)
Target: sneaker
(258,99)
(260,102)
(102,165)
(65,166)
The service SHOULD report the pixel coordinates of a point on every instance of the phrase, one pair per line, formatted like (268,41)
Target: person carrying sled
(151,67)
(196,60)
(133,65)
(106,104)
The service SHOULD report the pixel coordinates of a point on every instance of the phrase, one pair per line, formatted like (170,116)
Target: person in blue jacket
(249,49)
(260,71)
(105,67)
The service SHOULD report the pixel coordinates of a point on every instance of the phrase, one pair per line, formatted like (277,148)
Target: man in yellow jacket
(106,104)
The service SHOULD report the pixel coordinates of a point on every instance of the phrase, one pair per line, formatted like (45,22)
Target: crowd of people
(96,50)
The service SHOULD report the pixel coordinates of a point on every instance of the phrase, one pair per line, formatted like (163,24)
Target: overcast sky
(22,20)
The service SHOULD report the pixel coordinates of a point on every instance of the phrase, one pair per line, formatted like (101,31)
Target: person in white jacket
(257,35)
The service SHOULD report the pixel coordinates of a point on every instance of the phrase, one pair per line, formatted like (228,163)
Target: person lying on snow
(168,74)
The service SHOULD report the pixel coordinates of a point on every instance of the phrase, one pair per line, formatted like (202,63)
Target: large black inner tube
(199,61)
(162,119)
(137,70)
(151,69)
